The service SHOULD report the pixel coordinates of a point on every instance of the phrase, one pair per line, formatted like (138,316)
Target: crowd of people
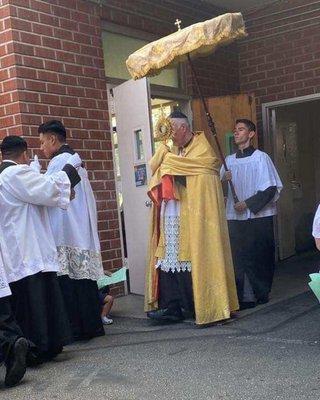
(211,249)
(50,257)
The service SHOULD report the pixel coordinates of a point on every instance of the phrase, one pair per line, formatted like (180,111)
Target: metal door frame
(269,115)
(268,125)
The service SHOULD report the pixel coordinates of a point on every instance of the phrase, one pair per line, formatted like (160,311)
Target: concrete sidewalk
(267,353)
(291,278)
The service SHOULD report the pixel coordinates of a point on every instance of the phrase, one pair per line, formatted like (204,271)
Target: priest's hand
(35,165)
(240,206)
(75,161)
(227,176)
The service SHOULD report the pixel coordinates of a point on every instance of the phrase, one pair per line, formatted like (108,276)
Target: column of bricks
(10,121)
(52,67)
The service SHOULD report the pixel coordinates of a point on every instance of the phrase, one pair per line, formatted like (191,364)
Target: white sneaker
(107,321)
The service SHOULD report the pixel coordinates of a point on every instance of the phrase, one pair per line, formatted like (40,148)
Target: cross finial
(178,23)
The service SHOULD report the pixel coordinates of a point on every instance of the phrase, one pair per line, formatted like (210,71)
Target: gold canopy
(196,40)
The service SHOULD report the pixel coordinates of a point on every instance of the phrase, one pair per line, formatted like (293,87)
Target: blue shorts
(103,292)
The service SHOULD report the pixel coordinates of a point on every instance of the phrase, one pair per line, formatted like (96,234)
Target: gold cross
(178,23)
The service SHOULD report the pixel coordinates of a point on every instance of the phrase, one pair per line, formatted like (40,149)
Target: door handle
(148,203)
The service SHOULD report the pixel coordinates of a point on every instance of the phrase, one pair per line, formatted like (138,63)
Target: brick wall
(281,57)
(9,85)
(218,73)
(52,67)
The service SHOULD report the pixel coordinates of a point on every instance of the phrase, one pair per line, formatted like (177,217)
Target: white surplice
(250,175)
(27,244)
(4,285)
(76,229)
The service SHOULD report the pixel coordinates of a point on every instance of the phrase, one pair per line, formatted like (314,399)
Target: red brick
(63,34)
(80,17)
(76,91)
(78,112)
(304,74)
(40,6)
(59,111)
(23,72)
(38,109)
(28,15)
(71,46)
(7,61)
(68,25)
(30,38)
(70,102)
(67,80)
(50,99)
(51,42)
(36,86)
(56,88)
(47,76)
(61,12)
(45,53)
(4,74)
(41,29)
(32,62)
(55,66)
(13,108)
(65,56)
(27,96)
(47,19)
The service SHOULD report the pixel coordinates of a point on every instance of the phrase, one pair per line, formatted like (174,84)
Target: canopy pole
(212,127)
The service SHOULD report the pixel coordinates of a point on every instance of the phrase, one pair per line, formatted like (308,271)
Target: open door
(132,109)
(225,110)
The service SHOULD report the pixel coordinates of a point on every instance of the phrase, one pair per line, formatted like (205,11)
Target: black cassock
(9,329)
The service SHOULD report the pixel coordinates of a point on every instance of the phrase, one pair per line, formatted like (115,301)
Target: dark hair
(54,127)
(13,146)
(249,124)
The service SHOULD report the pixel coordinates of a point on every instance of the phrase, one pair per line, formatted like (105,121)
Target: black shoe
(16,366)
(246,304)
(166,314)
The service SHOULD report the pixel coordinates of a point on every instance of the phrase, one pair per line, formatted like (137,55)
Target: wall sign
(140,174)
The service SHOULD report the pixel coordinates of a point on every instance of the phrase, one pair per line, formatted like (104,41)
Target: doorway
(291,136)
(134,111)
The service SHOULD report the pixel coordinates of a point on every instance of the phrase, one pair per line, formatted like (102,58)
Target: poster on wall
(140,174)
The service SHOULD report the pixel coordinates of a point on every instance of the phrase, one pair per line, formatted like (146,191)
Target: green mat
(116,277)
(315,284)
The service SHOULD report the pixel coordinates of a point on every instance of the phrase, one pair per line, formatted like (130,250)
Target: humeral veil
(204,238)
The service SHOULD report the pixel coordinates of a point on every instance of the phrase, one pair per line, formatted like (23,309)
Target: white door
(133,116)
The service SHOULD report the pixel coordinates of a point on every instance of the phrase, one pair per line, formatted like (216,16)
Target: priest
(28,249)
(75,233)
(190,268)
(257,185)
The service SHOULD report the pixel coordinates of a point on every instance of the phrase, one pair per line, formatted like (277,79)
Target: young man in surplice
(29,253)
(257,185)
(75,233)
